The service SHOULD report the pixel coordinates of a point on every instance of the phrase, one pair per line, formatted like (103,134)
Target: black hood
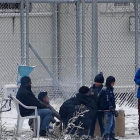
(86,100)
(109,80)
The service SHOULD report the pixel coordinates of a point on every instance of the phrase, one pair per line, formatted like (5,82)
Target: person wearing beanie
(95,94)
(25,81)
(99,78)
(26,96)
(73,105)
(108,103)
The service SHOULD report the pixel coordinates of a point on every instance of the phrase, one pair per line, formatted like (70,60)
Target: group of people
(95,103)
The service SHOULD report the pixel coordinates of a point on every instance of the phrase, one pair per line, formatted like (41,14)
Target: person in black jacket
(108,104)
(25,96)
(96,91)
(73,105)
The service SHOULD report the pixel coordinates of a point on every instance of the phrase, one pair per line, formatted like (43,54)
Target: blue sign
(23,71)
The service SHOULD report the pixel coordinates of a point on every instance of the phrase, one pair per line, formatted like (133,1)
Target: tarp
(24,71)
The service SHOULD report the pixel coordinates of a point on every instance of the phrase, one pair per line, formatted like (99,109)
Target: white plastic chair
(21,119)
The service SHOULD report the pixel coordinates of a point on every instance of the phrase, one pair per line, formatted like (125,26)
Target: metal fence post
(22,30)
(54,41)
(94,53)
(83,42)
(58,43)
(137,41)
(137,35)
(78,42)
(27,32)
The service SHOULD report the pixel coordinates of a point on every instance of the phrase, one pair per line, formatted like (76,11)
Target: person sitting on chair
(26,96)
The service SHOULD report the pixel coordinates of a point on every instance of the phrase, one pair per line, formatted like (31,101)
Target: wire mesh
(10,42)
(55,32)
(117,48)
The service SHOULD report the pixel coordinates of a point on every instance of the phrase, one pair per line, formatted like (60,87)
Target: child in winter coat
(108,105)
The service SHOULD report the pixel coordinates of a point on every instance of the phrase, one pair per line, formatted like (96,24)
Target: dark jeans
(100,116)
(139,113)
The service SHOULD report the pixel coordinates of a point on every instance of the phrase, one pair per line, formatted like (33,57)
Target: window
(12,7)
(9,5)
(122,4)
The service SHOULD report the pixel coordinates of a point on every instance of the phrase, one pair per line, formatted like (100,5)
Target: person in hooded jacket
(72,105)
(95,94)
(108,105)
(26,96)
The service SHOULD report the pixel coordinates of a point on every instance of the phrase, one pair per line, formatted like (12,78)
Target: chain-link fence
(117,47)
(9,42)
(69,42)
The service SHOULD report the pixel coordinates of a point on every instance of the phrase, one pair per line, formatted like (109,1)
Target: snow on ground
(131,122)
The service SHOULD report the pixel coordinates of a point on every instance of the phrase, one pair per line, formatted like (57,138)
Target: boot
(105,136)
(43,133)
(112,136)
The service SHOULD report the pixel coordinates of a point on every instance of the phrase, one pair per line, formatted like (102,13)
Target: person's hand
(111,109)
(116,114)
